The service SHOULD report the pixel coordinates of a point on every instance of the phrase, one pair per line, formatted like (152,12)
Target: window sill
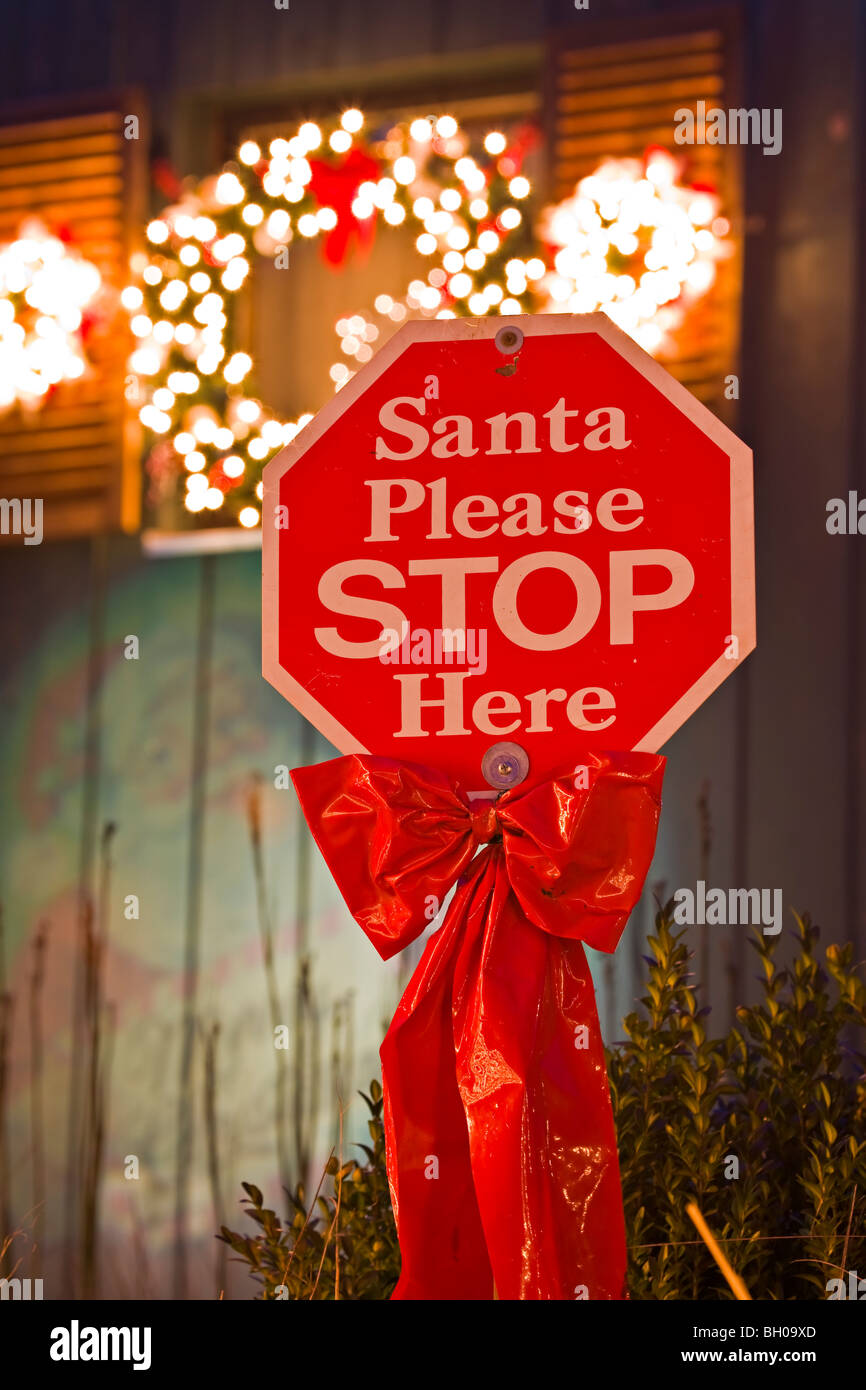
(219,540)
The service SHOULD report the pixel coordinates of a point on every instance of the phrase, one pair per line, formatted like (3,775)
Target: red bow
(334,186)
(511,161)
(500,1139)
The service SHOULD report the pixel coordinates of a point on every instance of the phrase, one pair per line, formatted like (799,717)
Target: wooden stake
(736,1284)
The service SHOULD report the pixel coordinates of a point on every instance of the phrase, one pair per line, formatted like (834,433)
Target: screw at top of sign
(509,339)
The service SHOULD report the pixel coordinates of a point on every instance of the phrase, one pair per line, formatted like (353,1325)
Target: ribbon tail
(532,1075)
(442,1244)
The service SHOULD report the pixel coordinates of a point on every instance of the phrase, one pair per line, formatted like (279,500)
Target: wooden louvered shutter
(613,99)
(78,452)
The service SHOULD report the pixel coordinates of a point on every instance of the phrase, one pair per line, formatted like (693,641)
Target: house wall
(164,747)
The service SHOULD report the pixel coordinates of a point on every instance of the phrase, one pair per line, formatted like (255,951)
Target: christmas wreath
(631,240)
(47,291)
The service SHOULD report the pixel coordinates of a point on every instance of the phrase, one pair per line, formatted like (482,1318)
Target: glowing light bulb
(154,419)
(701,209)
(661,170)
(272,433)
(237,367)
(404,169)
(145,361)
(204,429)
(229,190)
(228,247)
(383,192)
(310,135)
(173,295)
(205,229)
(278,224)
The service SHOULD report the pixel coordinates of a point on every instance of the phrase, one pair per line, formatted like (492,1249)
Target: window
(82,180)
(613,100)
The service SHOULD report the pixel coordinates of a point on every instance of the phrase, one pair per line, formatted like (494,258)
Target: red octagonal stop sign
(514,529)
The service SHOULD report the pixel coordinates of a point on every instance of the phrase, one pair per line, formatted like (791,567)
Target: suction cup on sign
(504,766)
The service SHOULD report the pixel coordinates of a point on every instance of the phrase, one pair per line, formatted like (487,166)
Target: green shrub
(780,1102)
(782,1097)
(343,1244)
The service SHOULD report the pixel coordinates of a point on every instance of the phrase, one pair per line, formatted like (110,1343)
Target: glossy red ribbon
(336,186)
(500,1139)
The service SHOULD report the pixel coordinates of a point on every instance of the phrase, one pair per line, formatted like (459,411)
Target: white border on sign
(530,325)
